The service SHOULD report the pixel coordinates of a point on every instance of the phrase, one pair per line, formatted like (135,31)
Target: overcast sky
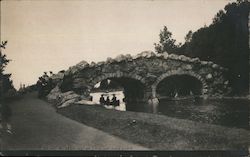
(53,35)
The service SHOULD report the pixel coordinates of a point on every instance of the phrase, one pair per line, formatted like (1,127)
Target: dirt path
(37,126)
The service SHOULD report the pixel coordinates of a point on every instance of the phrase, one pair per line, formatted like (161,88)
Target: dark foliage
(44,85)
(5,83)
(224,42)
(166,43)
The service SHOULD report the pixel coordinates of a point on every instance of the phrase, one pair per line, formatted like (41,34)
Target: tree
(219,17)
(225,42)
(3,60)
(189,36)
(166,43)
(5,82)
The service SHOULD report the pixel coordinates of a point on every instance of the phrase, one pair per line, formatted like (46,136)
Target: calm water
(226,112)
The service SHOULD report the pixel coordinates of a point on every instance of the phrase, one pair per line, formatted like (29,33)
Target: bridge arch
(130,82)
(179,73)
(150,70)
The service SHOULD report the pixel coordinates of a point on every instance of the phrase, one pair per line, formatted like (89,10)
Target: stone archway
(177,72)
(123,79)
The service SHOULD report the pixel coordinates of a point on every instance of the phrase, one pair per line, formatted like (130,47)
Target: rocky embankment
(60,99)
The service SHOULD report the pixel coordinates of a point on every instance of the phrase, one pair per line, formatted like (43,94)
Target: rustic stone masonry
(149,69)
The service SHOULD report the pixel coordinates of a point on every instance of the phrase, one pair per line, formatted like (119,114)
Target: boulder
(147,54)
(67,103)
(85,102)
(173,56)
(120,58)
(209,76)
(85,96)
(150,54)
(128,57)
(205,91)
(58,76)
(100,63)
(188,67)
(184,58)
(203,62)
(215,66)
(165,55)
(195,60)
(210,63)
(54,95)
(77,67)
(181,57)
(82,64)
(136,56)
(69,96)
(67,72)
(109,60)
(92,64)
(71,70)
(159,55)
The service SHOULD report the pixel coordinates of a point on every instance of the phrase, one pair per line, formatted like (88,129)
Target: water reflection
(227,112)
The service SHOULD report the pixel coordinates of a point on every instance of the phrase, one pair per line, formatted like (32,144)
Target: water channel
(226,112)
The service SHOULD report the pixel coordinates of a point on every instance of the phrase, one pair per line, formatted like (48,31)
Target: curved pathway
(37,126)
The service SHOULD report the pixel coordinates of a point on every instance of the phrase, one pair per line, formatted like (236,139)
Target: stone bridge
(147,73)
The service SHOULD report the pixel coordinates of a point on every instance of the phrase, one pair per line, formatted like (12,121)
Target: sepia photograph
(124,78)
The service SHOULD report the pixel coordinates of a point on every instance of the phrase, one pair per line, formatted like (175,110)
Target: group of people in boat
(108,102)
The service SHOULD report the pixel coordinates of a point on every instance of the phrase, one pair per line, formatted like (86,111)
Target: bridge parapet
(145,54)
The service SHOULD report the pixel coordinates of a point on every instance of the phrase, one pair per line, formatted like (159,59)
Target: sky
(52,35)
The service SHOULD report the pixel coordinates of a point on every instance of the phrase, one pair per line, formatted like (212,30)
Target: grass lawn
(159,132)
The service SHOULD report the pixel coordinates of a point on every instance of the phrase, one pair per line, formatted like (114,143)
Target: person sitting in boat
(115,102)
(107,102)
(102,100)
(118,103)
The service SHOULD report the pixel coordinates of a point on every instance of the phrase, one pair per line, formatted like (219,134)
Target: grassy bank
(158,131)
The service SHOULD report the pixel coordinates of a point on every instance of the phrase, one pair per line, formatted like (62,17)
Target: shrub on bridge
(44,85)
